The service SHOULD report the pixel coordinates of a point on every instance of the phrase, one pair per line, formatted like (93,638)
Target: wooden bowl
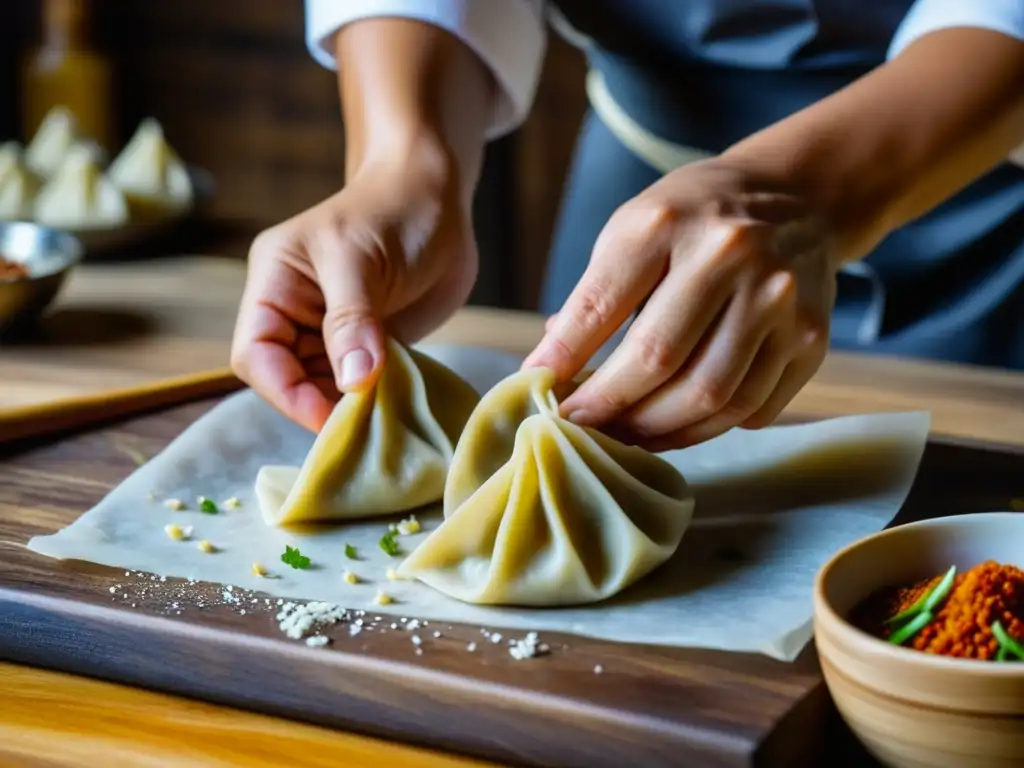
(912,709)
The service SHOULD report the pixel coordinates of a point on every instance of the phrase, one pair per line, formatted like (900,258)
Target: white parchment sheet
(772,506)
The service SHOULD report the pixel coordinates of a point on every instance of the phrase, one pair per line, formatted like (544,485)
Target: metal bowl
(48,255)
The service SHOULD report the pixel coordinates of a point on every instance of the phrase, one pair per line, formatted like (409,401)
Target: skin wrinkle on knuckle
(707,396)
(655,354)
(592,308)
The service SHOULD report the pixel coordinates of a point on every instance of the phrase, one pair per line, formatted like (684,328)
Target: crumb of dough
(176,504)
(232,503)
(409,527)
(350,577)
(383,598)
(178,532)
(394,575)
(258,570)
(206,546)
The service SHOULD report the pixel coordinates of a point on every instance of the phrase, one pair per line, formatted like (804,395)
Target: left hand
(733,279)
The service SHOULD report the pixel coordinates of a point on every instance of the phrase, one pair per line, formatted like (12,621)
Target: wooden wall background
(238,95)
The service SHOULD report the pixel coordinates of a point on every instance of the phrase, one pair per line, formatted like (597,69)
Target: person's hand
(392,253)
(733,283)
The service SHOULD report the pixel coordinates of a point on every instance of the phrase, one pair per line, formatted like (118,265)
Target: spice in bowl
(12,270)
(978,614)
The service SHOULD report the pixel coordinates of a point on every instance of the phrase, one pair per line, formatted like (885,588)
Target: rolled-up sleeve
(508,35)
(926,16)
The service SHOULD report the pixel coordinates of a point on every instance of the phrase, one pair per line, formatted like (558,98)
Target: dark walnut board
(651,706)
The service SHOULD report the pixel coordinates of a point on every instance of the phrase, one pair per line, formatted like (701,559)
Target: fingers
(756,389)
(734,371)
(352,282)
(628,261)
(662,337)
(279,363)
(800,371)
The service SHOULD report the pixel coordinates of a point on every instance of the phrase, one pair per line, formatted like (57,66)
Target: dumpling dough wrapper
(382,451)
(542,512)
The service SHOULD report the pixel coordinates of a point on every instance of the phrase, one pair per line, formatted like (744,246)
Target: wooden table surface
(143,728)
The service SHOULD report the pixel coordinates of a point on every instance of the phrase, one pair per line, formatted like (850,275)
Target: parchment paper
(772,506)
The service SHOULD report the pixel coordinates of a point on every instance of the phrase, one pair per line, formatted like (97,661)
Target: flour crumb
(317,641)
(298,620)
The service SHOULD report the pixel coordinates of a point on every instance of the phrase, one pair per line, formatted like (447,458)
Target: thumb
(353,334)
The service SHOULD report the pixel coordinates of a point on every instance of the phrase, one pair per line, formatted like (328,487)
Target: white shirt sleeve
(926,16)
(508,35)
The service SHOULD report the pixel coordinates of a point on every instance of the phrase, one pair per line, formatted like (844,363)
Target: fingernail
(581,417)
(356,366)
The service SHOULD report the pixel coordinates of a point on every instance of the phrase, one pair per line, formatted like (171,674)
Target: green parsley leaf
(350,552)
(390,545)
(208,506)
(294,558)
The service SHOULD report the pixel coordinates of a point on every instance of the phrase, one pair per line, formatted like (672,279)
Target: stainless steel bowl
(48,255)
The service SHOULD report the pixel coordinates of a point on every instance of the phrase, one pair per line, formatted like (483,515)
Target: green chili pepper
(929,600)
(908,630)
(1007,643)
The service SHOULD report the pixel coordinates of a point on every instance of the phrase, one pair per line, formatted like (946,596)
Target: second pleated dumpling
(542,512)
(383,451)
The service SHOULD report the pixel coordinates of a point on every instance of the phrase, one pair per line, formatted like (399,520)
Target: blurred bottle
(66,69)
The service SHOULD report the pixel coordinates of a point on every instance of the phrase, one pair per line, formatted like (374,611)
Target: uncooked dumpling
(150,173)
(79,197)
(10,158)
(17,190)
(542,512)
(382,451)
(56,135)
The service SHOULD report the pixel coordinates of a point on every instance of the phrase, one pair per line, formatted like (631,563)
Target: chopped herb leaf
(1006,642)
(390,545)
(911,628)
(208,506)
(294,558)
(350,552)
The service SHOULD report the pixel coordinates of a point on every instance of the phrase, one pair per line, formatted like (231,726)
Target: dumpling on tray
(18,185)
(79,197)
(383,451)
(150,173)
(54,138)
(542,512)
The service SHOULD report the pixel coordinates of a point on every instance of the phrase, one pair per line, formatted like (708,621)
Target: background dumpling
(150,173)
(79,197)
(542,512)
(10,158)
(382,451)
(17,192)
(56,135)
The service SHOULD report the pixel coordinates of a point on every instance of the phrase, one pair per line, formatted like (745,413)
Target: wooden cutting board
(116,326)
(651,706)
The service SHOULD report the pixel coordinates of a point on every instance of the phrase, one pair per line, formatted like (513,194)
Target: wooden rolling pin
(46,419)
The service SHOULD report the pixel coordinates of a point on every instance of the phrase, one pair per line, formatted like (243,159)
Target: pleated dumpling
(55,137)
(17,191)
(542,512)
(150,173)
(18,185)
(79,197)
(382,451)
(10,158)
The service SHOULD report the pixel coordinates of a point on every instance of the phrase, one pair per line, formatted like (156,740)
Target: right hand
(390,254)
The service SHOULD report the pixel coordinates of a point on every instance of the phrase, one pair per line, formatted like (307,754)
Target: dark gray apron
(948,286)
